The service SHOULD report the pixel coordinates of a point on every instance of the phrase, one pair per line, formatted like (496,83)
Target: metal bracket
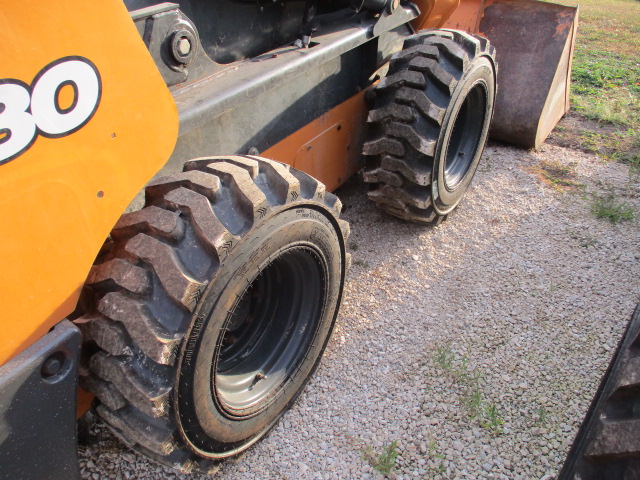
(172,39)
(391,18)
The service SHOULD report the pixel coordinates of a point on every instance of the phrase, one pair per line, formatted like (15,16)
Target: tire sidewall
(212,432)
(480,71)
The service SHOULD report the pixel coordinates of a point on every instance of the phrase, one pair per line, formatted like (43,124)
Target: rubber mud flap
(38,408)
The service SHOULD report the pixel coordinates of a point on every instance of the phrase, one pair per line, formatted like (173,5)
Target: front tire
(212,308)
(428,124)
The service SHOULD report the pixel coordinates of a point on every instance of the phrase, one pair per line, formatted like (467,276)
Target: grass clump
(385,461)
(473,401)
(361,263)
(491,419)
(432,449)
(444,357)
(468,381)
(608,207)
(557,174)
(542,417)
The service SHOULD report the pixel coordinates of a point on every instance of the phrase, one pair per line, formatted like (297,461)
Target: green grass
(492,420)
(384,462)
(542,417)
(606,87)
(608,207)
(432,450)
(444,357)
(606,71)
(473,401)
(468,382)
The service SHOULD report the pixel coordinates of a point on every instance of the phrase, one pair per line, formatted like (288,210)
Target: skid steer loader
(169,240)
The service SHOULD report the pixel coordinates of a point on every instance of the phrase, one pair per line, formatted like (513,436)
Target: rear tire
(428,124)
(212,308)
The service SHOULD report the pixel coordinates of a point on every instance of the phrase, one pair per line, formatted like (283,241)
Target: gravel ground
(476,345)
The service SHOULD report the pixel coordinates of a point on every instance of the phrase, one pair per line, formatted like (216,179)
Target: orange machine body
(62,191)
(434,13)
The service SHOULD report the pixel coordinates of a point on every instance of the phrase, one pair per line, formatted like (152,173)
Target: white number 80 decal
(27,111)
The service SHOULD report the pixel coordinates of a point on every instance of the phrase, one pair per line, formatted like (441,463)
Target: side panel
(329,148)
(304,107)
(433,13)
(61,194)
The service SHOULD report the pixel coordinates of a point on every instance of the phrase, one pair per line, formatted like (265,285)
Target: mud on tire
(428,124)
(210,309)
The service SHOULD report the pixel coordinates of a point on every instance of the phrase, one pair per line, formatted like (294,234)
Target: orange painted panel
(87,122)
(467,16)
(433,13)
(329,148)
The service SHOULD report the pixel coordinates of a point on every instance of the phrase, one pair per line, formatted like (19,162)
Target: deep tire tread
(153,221)
(203,219)
(118,274)
(135,428)
(177,283)
(104,391)
(406,114)
(154,340)
(110,336)
(132,372)
(148,393)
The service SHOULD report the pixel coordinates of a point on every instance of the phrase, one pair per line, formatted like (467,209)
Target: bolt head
(51,366)
(184,46)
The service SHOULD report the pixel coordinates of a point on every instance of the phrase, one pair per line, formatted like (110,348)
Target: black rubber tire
(428,124)
(233,270)
(608,443)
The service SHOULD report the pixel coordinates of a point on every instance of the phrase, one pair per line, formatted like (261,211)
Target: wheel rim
(269,332)
(465,136)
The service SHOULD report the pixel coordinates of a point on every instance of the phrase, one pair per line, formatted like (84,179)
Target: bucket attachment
(534,44)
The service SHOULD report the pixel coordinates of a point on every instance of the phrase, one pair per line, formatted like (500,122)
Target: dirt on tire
(144,297)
